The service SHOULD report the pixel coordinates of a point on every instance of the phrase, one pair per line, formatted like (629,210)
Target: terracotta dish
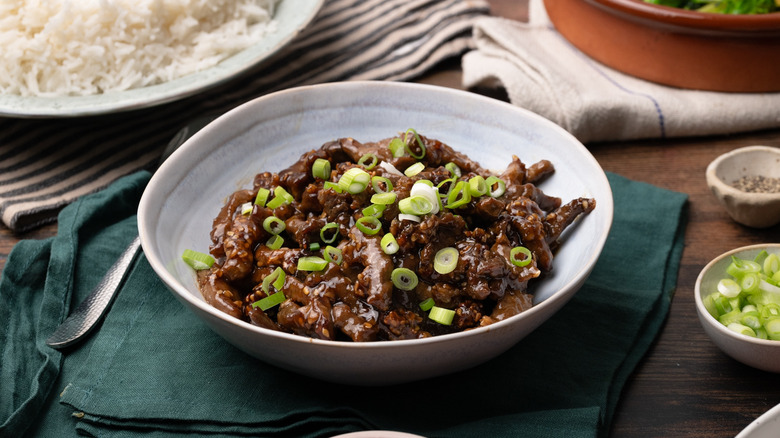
(676,47)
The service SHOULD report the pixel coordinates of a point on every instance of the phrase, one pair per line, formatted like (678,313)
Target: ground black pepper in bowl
(757,184)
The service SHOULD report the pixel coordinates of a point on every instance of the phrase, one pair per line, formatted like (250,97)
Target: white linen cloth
(542,72)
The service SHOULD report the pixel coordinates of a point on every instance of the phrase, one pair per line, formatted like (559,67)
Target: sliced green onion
(445,260)
(383,198)
(369,225)
(333,186)
(772,328)
(425,189)
(270,301)
(404,279)
(275,242)
(427,304)
(514,252)
(312,263)
(281,197)
(321,169)
(355,180)
(333,254)
(397,147)
(409,217)
(771,265)
(729,288)
(454,169)
(314,246)
(262,196)
(390,168)
(739,267)
(325,237)
(441,315)
(368,161)
(500,186)
(459,195)
(419,143)
(414,169)
(416,205)
(478,186)
(197,260)
(449,184)
(275,279)
(375,210)
(741,329)
(376,184)
(749,283)
(273,225)
(389,244)
(246,208)
(751,317)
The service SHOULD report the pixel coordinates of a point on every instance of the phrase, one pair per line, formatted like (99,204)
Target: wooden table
(685,386)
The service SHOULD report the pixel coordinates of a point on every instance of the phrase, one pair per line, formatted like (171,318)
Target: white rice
(83,47)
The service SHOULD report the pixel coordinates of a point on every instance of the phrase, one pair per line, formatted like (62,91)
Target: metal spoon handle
(92,309)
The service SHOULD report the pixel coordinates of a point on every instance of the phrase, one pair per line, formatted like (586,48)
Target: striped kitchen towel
(542,72)
(47,163)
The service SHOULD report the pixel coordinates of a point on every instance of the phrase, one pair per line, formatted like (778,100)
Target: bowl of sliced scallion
(738,302)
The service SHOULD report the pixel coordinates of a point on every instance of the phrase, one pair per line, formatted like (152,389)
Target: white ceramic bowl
(765,426)
(757,353)
(757,210)
(271,132)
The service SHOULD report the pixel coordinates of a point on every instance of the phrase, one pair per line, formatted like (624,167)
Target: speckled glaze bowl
(271,132)
(758,353)
(757,210)
(676,47)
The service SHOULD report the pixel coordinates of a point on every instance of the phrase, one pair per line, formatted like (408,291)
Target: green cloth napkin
(154,369)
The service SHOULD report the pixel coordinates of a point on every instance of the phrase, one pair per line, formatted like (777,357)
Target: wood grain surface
(685,386)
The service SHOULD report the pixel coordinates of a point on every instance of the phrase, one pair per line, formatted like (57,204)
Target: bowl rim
(146,225)
(724,187)
(702,311)
(754,23)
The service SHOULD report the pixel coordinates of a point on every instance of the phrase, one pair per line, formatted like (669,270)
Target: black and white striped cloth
(47,163)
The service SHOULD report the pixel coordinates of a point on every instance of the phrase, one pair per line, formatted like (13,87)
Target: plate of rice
(65,58)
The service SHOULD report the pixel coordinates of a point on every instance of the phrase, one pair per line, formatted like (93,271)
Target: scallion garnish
(281,197)
(516,251)
(390,168)
(397,147)
(314,246)
(404,279)
(453,168)
(459,195)
(420,144)
(425,189)
(383,198)
(369,224)
(376,184)
(500,186)
(427,304)
(478,186)
(270,301)
(389,244)
(368,161)
(312,263)
(729,288)
(262,196)
(321,169)
(445,260)
(416,205)
(329,232)
(375,210)
(333,186)
(275,242)
(197,260)
(409,217)
(273,225)
(414,169)
(333,254)
(275,279)
(246,208)
(354,180)
(441,315)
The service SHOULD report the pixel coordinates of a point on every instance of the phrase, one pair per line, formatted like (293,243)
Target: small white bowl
(757,353)
(271,132)
(757,210)
(765,426)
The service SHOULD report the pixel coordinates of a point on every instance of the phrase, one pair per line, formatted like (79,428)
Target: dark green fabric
(153,369)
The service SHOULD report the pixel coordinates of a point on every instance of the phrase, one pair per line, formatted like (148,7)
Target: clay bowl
(675,47)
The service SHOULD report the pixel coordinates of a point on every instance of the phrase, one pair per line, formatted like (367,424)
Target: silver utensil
(86,316)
